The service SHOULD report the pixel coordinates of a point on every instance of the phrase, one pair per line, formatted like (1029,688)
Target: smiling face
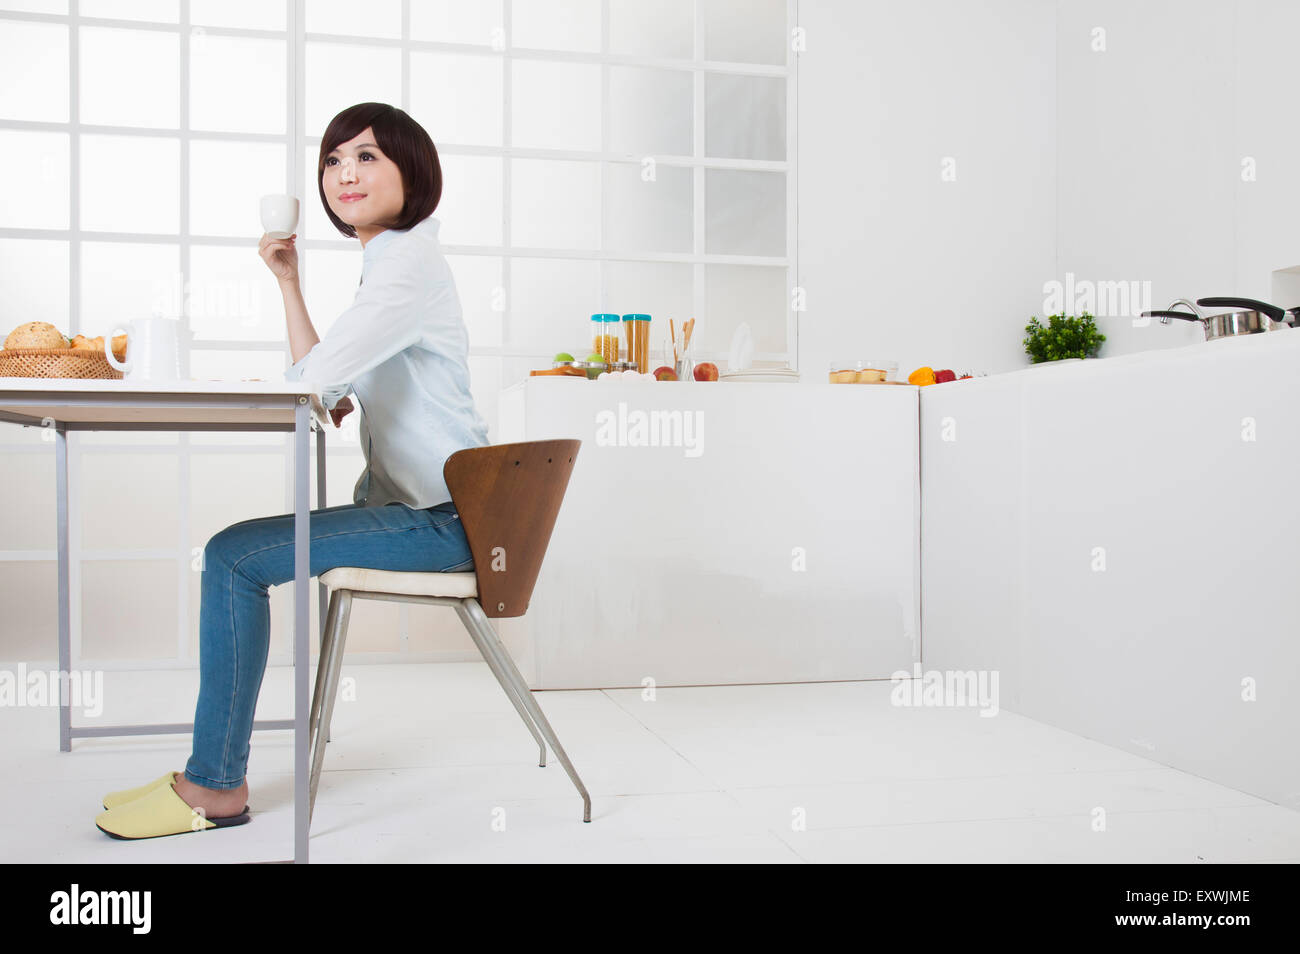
(363,186)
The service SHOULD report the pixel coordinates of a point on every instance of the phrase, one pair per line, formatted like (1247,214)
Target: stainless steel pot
(1255,317)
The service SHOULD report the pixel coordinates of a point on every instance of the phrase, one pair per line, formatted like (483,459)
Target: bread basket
(57,363)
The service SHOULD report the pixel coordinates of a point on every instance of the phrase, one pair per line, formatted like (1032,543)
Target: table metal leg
(65,588)
(322,591)
(301,619)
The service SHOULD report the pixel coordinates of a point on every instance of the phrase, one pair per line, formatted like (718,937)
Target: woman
(401,348)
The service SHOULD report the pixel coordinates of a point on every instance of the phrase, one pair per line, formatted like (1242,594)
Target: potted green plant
(1063,337)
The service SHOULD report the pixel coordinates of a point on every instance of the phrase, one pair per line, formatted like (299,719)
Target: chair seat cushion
(454,585)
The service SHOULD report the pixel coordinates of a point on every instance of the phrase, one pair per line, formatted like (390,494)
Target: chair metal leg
(506,684)
(326,636)
(478,623)
(334,665)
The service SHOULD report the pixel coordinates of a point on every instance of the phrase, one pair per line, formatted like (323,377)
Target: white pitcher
(152,351)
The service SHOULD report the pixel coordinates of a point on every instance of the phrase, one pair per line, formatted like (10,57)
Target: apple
(665,373)
(706,371)
(564,356)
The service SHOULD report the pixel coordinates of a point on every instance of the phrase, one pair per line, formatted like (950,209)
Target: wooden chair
(508,496)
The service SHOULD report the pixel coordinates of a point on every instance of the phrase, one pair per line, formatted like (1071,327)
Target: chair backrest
(508,496)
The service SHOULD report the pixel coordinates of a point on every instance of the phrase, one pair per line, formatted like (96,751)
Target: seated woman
(401,349)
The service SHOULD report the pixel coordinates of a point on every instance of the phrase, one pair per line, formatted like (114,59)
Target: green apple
(564,356)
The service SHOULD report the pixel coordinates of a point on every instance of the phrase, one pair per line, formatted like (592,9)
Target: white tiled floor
(427,758)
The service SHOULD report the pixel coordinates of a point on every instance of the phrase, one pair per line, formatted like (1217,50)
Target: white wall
(1151,137)
(897,263)
(1121,164)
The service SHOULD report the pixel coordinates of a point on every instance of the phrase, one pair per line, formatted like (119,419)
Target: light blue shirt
(402,349)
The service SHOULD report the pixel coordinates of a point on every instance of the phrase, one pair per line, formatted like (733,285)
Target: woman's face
(363,186)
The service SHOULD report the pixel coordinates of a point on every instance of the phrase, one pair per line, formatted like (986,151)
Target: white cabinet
(781,546)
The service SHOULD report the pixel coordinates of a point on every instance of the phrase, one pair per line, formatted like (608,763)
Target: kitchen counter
(1119,540)
(769,535)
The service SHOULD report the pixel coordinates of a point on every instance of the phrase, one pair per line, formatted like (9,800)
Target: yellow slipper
(158,812)
(113,799)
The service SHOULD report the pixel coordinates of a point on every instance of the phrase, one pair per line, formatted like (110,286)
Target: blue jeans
(244,560)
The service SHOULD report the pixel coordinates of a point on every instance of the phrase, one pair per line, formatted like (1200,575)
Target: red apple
(665,373)
(706,371)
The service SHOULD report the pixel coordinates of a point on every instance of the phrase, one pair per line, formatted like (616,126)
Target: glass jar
(636,331)
(604,337)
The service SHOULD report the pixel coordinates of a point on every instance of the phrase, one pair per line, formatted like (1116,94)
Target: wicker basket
(57,363)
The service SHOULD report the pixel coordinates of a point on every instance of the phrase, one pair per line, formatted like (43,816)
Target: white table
(68,404)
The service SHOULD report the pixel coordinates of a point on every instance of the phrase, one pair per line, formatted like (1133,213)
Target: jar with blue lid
(604,337)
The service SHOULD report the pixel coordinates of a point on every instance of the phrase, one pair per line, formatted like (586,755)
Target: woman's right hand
(281,256)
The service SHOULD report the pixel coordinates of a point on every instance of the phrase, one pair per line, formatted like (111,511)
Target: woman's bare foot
(214,802)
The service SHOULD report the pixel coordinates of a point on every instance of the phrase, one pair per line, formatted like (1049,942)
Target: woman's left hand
(340,411)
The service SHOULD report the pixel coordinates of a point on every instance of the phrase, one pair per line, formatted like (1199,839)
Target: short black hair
(404,141)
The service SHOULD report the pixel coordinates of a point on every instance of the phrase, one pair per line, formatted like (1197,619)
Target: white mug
(152,350)
(279,215)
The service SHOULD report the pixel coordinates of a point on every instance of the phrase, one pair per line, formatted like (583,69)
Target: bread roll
(36,334)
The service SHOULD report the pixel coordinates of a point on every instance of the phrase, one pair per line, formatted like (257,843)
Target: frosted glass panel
(753,293)
(648,216)
(237,84)
(130,500)
(470,208)
(248,14)
(744,117)
(556,105)
(661,290)
(142,595)
(556,25)
(237,365)
(554,300)
(555,204)
(121,281)
(57,7)
(130,78)
(455,21)
(330,287)
(158,11)
(650,111)
(34,71)
(130,184)
(34,276)
(226,181)
(744,31)
(744,213)
(43,204)
(482,296)
(233,296)
(339,76)
(312,221)
(457,98)
(382,18)
(664,28)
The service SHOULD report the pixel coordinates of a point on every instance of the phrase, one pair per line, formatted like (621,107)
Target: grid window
(598,155)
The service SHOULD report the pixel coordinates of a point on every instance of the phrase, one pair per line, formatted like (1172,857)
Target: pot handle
(1272,311)
(1185,315)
